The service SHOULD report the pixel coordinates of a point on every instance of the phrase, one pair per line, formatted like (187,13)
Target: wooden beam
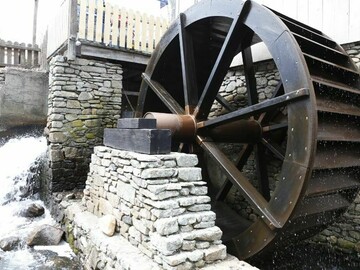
(99,52)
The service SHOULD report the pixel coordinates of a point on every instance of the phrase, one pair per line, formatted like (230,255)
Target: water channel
(18,167)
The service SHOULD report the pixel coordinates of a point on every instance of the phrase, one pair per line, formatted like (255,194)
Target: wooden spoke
(240,162)
(250,76)
(275,127)
(264,106)
(187,67)
(263,179)
(225,103)
(222,63)
(249,192)
(274,148)
(164,96)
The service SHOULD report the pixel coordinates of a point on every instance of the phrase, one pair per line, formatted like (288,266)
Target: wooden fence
(15,54)
(118,27)
(105,24)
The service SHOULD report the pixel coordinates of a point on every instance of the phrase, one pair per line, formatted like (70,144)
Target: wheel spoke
(240,162)
(223,61)
(275,127)
(187,67)
(225,103)
(274,148)
(256,108)
(261,171)
(241,182)
(250,76)
(164,96)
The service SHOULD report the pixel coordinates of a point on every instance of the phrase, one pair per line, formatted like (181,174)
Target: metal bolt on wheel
(316,140)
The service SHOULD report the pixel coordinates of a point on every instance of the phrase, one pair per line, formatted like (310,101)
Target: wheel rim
(174,84)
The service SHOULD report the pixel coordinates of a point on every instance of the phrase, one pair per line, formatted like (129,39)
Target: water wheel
(309,126)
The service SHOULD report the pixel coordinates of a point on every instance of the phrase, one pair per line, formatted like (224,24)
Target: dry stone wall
(84,98)
(160,204)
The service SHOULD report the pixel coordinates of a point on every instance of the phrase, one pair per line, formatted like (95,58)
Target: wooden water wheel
(310,125)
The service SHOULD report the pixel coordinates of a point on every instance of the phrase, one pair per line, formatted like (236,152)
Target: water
(18,161)
(305,256)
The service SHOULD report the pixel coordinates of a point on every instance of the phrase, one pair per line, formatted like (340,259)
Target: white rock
(108,224)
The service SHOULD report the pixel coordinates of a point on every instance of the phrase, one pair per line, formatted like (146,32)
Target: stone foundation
(84,98)
(161,208)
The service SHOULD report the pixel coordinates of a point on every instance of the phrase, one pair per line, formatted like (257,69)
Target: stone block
(189,174)
(136,123)
(158,173)
(167,245)
(140,226)
(188,245)
(208,234)
(167,226)
(105,207)
(159,213)
(126,192)
(147,141)
(215,253)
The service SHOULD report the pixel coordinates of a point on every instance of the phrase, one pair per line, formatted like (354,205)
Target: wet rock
(61,263)
(9,243)
(45,235)
(32,210)
(108,224)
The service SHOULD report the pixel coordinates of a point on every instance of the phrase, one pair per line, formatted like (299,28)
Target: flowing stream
(19,159)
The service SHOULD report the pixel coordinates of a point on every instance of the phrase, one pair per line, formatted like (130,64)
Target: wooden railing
(15,54)
(102,23)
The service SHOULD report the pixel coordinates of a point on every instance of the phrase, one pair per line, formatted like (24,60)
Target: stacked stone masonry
(84,98)
(160,204)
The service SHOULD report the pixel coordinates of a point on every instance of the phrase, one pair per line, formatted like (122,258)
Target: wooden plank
(137,32)
(151,35)
(131,123)
(157,30)
(71,23)
(2,55)
(107,23)
(354,20)
(22,56)
(16,55)
(164,26)
(82,19)
(36,58)
(112,54)
(147,141)
(130,30)
(316,14)
(29,55)
(115,26)
(9,55)
(99,21)
(91,20)
(144,32)
(122,34)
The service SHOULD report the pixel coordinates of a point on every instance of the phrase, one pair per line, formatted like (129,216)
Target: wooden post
(71,54)
(36,2)
(2,52)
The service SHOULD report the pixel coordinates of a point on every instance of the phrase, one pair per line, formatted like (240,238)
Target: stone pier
(160,211)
